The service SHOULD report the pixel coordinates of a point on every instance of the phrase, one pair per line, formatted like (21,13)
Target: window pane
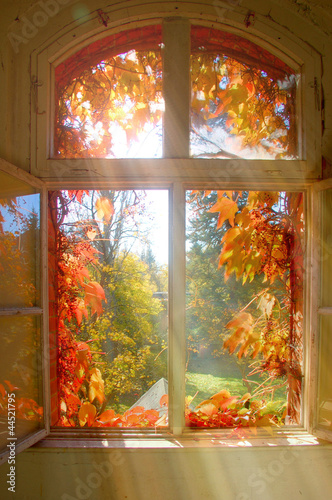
(243,99)
(110,104)
(325,374)
(244,308)
(19,243)
(326,250)
(110,271)
(20,377)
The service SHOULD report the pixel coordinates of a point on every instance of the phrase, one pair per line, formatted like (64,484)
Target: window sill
(254,438)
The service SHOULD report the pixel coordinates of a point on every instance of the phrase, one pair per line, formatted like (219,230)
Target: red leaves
(94,295)
(78,194)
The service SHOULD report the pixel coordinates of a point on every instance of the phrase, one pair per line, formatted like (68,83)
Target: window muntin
(111,305)
(244,311)
(243,99)
(111,106)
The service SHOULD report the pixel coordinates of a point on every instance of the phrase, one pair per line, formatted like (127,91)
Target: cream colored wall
(208,472)
(182,474)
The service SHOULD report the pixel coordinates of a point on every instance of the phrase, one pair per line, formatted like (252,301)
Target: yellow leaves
(96,386)
(105,209)
(87,414)
(222,400)
(227,209)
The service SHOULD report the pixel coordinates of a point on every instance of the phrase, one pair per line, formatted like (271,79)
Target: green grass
(207,385)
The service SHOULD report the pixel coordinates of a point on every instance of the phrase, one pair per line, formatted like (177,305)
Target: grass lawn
(207,385)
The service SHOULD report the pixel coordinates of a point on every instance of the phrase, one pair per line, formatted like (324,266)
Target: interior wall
(296,473)
(206,471)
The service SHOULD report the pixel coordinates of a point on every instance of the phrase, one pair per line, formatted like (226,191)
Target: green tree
(127,333)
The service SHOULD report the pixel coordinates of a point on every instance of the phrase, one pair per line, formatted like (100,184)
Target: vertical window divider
(176,87)
(177,285)
(45,315)
(176,83)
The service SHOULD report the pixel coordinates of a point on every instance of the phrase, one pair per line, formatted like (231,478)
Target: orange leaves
(227,209)
(220,401)
(107,417)
(105,209)
(136,417)
(94,295)
(242,325)
(87,414)
(164,400)
(249,103)
(121,94)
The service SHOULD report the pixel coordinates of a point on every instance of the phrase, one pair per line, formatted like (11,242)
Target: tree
(127,333)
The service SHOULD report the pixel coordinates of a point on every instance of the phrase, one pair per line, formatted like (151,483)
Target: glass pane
(326,249)
(111,271)
(20,378)
(325,374)
(243,99)
(244,314)
(19,243)
(110,103)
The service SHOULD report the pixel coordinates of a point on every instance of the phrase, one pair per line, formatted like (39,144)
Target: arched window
(178,159)
(109,103)
(109,98)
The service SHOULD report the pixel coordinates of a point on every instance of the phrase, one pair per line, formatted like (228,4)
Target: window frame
(177,172)
(36,311)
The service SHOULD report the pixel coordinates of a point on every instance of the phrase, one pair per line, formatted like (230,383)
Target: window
(209,125)
(21,313)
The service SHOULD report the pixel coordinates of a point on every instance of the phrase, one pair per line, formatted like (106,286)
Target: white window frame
(177,172)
